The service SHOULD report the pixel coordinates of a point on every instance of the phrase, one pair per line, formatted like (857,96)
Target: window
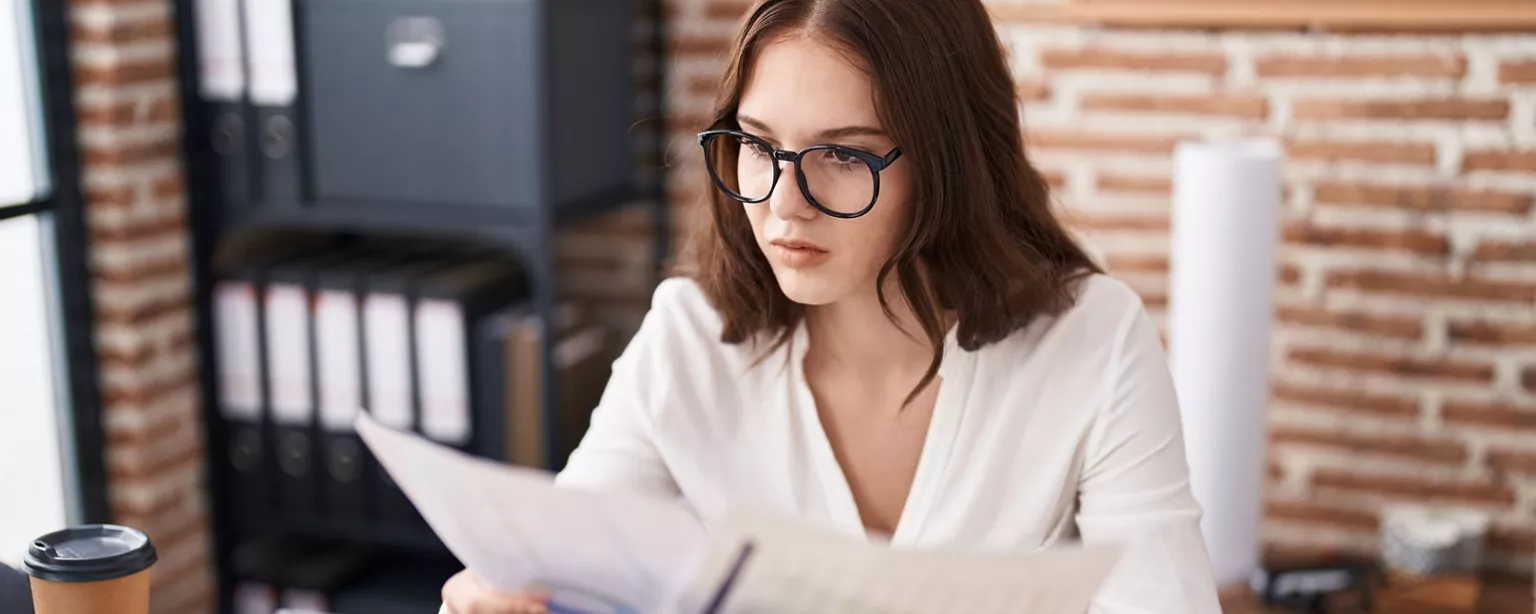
(1413,15)
(39,458)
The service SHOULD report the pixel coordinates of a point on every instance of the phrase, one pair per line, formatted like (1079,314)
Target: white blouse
(1066,429)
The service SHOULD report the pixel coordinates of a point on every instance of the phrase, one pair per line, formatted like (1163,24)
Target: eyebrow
(833,133)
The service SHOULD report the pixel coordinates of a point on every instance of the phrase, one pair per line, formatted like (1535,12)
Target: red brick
(1054,178)
(126,155)
(119,196)
(140,230)
(139,314)
(1401,446)
(144,353)
(119,114)
(1511,461)
(1424,199)
(1498,416)
(1455,109)
(697,45)
(1445,369)
(1226,105)
(1414,241)
(1134,184)
(1427,66)
(151,434)
(1321,514)
(702,86)
(154,392)
(1137,263)
(148,470)
(128,73)
(1518,72)
(1118,222)
(1380,325)
(727,10)
(1495,250)
(135,272)
(1348,401)
(166,503)
(1289,274)
(1413,488)
(164,110)
(1378,152)
(1521,540)
(168,188)
(1092,58)
(1494,160)
(1432,285)
(1493,333)
(121,32)
(1032,91)
(1100,142)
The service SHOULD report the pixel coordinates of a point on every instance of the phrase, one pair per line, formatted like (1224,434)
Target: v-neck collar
(955,373)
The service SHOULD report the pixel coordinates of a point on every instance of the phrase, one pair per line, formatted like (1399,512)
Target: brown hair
(982,239)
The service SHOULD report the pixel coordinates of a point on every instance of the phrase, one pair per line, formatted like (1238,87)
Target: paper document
(620,553)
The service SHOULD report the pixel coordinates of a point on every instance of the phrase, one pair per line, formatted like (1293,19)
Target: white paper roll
(1226,202)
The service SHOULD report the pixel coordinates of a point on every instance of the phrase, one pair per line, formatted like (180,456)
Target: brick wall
(1404,364)
(124,59)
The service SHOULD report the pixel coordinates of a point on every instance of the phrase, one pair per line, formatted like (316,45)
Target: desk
(1499,596)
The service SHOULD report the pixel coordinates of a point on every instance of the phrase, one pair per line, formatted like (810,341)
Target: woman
(888,332)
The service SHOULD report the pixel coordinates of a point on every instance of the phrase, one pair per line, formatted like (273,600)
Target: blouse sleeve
(1134,489)
(618,451)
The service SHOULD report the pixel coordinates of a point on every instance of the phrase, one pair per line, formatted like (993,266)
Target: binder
(348,469)
(513,358)
(274,92)
(237,330)
(448,308)
(291,384)
(388,370)
(221,82)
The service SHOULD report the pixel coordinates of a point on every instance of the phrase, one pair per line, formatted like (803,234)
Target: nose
(787,201)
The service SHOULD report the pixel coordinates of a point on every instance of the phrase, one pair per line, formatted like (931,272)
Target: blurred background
(226,224)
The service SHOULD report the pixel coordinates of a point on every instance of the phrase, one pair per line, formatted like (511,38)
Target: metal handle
(414,42)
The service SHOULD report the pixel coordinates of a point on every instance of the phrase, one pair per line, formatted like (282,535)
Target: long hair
(982,239)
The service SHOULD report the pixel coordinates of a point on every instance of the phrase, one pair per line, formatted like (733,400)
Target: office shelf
(525,232)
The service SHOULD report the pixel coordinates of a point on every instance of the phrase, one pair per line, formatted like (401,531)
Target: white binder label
(442,365)
(288,354)
(222,73)
(385,324)
(234,312)
(269,43)
(340,374)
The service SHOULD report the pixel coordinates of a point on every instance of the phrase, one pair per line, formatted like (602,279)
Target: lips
(798,253)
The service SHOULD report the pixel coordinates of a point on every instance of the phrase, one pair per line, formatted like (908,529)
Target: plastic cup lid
(89,553)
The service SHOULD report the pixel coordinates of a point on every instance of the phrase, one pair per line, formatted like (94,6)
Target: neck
(855,333)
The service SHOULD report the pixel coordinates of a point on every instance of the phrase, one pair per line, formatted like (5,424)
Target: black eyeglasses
(839,181)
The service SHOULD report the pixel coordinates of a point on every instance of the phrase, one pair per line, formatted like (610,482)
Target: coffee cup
(91,569)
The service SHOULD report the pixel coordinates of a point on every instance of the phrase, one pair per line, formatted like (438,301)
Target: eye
(843,159)
(755,148)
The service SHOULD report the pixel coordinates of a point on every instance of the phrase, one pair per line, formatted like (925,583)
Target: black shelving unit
(526,234)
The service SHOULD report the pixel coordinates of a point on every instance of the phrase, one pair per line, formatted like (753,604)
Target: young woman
(888,332)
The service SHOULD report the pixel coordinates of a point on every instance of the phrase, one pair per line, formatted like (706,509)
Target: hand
(467,593)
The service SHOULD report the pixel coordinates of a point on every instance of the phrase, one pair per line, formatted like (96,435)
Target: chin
(809,287)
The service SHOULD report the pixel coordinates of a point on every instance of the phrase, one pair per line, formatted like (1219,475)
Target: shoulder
(682,323)
(1085,338)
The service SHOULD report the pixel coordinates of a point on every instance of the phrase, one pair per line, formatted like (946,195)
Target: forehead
(800,87)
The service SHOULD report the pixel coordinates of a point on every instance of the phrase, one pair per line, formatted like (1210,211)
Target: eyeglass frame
(875,162)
